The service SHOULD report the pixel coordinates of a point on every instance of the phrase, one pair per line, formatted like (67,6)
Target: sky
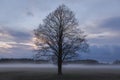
(99,19)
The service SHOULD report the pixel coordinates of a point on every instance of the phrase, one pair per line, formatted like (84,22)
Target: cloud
(16,35)
(5,45)
(103,31)
(16,50)
(10,39)
(20,35)
(30,13)
(111,23)
(102,35)
(102,53)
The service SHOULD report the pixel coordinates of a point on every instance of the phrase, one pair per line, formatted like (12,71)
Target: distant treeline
(28,60)
(88,61)
(116,62)
(21,60)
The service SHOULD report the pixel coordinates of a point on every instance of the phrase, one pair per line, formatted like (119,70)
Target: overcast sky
(100,19)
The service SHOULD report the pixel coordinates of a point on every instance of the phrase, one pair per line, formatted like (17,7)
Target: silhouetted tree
(60,37)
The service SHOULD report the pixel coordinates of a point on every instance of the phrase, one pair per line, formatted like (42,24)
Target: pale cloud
(5,45)
(10,47)
(4,35)
(102,35)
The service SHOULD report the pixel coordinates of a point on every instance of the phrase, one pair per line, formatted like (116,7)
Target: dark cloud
(21,35)
(111,23)
(106,32)
(30,14)
(105,41)
(18,35)
(103,53)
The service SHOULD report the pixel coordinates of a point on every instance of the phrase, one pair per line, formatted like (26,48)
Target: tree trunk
(59,66)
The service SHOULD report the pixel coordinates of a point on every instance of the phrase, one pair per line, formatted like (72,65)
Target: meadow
(49,72)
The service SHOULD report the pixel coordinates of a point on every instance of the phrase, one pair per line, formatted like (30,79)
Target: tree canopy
(59,36)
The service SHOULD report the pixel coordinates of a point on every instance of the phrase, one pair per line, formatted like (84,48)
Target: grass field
(86,72)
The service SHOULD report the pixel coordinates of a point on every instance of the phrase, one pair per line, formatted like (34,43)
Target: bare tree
(60,37)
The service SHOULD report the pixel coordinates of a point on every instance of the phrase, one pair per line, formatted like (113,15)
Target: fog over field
(70,71)
(9,65)
(23,66)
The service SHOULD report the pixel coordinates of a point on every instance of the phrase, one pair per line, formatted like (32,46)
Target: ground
(50,73)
